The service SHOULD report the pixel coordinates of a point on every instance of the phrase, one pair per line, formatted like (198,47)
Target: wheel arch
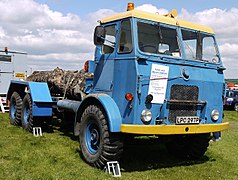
(16,87)
(109,107)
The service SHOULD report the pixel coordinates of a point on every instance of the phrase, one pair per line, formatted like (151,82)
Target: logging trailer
(153,75)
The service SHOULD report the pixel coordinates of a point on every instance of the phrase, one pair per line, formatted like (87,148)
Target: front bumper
(173,129)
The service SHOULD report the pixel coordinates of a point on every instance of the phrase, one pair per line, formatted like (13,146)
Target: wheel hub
(13,109)
(92,138)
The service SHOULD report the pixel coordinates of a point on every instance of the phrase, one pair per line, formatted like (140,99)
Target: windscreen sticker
(158,83)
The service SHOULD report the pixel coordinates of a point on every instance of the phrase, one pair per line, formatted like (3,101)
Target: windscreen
(157,39)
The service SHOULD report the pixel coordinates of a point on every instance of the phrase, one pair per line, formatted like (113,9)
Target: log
(67,84)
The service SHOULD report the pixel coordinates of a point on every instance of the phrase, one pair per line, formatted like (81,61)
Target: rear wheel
(26,113)
(188,146)
(236,107)
(97,144)
(15,109)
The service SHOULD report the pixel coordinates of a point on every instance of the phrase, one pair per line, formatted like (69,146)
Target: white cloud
(152,9)
(54,39)
(49,37)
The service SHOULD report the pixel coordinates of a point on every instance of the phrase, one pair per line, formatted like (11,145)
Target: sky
(58,33)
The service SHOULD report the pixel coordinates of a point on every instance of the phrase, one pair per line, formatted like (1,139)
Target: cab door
(104,61)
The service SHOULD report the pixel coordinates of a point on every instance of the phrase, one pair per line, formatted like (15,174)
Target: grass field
(55,156)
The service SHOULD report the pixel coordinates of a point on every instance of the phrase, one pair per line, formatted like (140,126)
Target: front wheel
(97,144)
(188,146)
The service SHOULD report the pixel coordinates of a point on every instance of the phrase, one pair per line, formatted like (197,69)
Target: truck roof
(158,18)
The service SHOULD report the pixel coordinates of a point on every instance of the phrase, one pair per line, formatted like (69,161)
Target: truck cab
(171,70)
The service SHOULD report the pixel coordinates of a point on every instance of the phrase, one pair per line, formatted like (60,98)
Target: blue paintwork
(41,98)
(113,113)
(40,94)
(69,105)
(110,107)
(91,66)
(92,137)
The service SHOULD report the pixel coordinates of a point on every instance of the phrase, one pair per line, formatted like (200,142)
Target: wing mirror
(99,35)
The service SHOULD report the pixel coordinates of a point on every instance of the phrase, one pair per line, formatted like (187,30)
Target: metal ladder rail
(3,104)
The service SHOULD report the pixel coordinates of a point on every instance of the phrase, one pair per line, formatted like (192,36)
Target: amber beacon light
(130,6)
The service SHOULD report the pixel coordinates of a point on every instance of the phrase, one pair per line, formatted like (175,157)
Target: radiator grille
(182,92)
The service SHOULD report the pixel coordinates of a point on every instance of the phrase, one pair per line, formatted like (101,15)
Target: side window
(125,43)
(5,58)
(200,46)
(209,50)
(110,40)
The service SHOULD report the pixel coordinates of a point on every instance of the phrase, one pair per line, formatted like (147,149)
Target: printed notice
(158,82)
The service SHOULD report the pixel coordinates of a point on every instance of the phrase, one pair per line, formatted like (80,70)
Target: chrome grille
(186,93)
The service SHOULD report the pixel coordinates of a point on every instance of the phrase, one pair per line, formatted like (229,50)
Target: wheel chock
(37,131)
(113,168)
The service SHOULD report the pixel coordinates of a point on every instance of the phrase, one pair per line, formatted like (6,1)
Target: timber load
(67,84)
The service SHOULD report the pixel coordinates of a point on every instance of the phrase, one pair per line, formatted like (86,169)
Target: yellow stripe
(173,129)
(157,18)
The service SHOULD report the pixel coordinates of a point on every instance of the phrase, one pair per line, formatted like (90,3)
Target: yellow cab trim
(173,129)
(158,18)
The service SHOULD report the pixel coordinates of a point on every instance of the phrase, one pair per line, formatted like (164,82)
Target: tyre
(15,109)
(26,113)
(97,144)
(188,146)
(236,107)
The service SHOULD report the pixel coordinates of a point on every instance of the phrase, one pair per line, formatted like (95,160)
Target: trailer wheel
(97,144)
(15,109)
(188,146)
(236,107)
(26,113)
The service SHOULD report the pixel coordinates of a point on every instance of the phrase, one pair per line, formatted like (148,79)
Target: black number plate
(187,120)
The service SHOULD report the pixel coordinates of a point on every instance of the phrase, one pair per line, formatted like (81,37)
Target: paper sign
(158,82)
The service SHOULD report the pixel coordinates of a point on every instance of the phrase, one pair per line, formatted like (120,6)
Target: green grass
(235,81)
(55,156)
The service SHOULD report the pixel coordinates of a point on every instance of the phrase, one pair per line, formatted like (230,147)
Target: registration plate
(187,120)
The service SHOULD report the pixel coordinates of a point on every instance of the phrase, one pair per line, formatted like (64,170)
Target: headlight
(146,115)
(215,115)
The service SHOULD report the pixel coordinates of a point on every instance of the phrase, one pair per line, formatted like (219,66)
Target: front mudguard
(109,106)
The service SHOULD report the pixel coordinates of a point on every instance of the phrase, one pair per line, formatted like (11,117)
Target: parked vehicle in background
(13,66)
(231,100)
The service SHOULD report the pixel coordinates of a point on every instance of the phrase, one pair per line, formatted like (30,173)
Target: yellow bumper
(173,129)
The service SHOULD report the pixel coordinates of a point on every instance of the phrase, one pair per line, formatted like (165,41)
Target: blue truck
(152,75)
